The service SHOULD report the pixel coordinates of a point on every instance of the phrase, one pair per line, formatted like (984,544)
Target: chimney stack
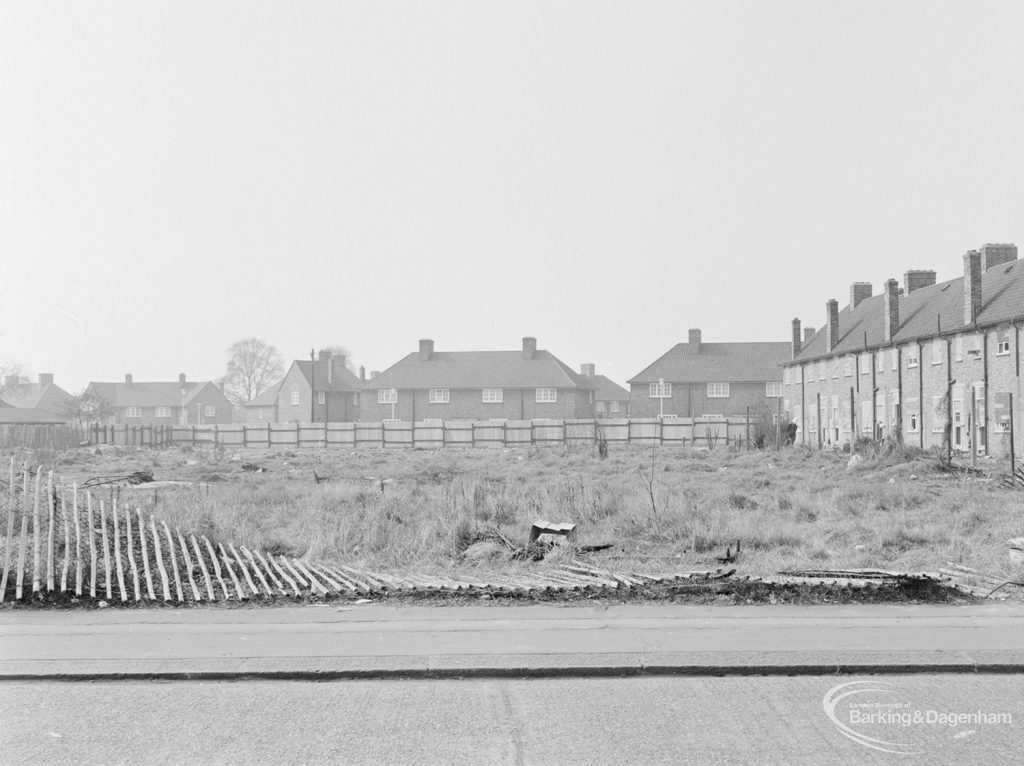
(891,310)
(997,255)
(529,347)
(972,286)
(45,379)
(127,378)
(694,344)
(588,370)
(832,327)
(808,334)
(362,372)
(335,367)
(374,374)
(324,355)
(858,292)
(426,349)
(915,279)
(796,339)
(181,379)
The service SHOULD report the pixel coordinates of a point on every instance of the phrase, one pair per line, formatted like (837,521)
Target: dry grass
(666,509)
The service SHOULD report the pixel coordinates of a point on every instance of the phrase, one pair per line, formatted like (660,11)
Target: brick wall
(691,400)
(516,404)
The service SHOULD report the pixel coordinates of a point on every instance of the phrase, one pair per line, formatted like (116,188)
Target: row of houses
(929,363)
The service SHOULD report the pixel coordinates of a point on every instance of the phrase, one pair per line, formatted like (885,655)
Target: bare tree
(88,406)
(253,365)
(339,350)
(12,378)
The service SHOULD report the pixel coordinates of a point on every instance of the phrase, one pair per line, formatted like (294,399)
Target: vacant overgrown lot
(664,509)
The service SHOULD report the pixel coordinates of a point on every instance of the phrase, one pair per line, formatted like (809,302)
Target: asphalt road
(730,720)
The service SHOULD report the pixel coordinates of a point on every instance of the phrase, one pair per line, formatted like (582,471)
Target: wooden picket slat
(66,522)
(145,554)
(131,554)
(78,541)
(216,568)
(158,555)
(189,569)
(106,550)
(117,552)
(270,572)
(37,539)
(256,568)
(315,584)
(49,533)
(202,567)
(92,545)
(245,570)
(284,575)
(10,533)
(174,562)
(23,552)
(231,571)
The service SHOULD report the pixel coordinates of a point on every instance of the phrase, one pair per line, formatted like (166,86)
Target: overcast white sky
(603,176)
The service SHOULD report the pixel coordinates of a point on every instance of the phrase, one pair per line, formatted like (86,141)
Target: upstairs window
(210,411)
(865,363)
(660,390)
(613,406)
(718,390)
(772,388)
(1003,343)
(295,398)
(546,395)
(848,365)
(493,395)
(163,412)
(321,397)
(387,396)
(439,396)
(912,355)
(133,412)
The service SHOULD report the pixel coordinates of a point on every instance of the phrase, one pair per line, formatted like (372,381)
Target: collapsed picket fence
(433,434)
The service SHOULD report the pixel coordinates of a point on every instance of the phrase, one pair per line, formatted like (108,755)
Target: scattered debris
(320,479)
(546,531)
(729,556)
(1016,549)
(132,479)
(1014,480)
(253,468)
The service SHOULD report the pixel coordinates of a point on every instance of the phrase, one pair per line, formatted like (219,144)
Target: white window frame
(613,405)
(660,390)
(162,412)
(387,396)
(821,369)
(492,395)
(938,414)
(913,355)
(912,425)
(1003,345)
(773,389)
(209,410)
(259,413)
(600,407)
(321,397)
(295,398)
(545,395)
(960,347)
(133,412)
(718,390)
(439,396)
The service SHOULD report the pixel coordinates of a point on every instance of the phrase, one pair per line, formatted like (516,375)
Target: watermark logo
(859,707)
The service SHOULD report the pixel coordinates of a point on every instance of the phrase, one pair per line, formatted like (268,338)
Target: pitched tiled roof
(925,312)
(141,394)
(341,380)
(608,390)
(266,399)
(719,362)
(31,394)
(479,369)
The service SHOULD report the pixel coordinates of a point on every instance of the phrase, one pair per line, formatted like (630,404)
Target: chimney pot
(529,347)
(972,286)
(915,279)
(128,378)
(181,379)
(588,370)
(891,310)
(859,291)
(45,378)
(832,327)
(997,255)
(426,349)
(693,346)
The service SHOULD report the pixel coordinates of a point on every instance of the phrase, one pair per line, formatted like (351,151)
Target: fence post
(504,433)
(215,436)
(268,435)
(245,441)
(565,432)
(298,435)
(193,436)
(325,432)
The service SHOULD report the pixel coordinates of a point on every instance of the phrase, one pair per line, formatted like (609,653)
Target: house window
(546,395)
(295,398)
(979,403)
(912,424)
(387,396)
(938,414)
(937,351)
(660,389)
(321,397)
(959,348)
(133,412)
(835,368)
(848,364)
(210,411)
(439,396)
(866,416)
(772,388)
(718,390)
(894,360)
(163,412)
(912,355)
(1003,343)
(613,406)
(493,395)
(894,403)
(865,363)
(600,408)
(259,413)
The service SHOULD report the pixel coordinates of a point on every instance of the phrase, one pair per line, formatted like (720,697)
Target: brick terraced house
(610,399)
(44,397)
(328,381)
(478,385)
(921,362)
(137,403)
(263,408)
(702,380)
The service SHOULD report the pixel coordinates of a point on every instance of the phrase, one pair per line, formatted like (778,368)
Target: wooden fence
(432,434)
(40,437)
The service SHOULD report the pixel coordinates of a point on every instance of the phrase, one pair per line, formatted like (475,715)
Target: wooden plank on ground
(298,577)
(348,580)
(145,555)
(189,567)
(216,568)
(174,562)
(226,561)
(314,582)
(106,550)
(256,568)
(37,539)
(159,558)
(278,583)
(287,577)
(117,552)
(326,577)
(131,554)
(10,533)
(49,532)
(201,560)
(245,569)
